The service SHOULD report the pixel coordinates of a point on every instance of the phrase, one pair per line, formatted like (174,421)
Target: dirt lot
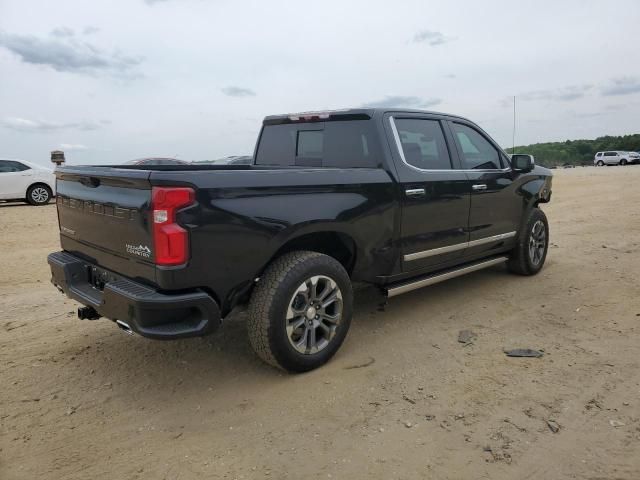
(402,399)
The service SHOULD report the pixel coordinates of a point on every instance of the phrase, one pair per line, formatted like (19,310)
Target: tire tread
(263,298)
(519,261)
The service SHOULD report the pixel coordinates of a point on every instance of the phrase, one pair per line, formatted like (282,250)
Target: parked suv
(615,158)
(26,181)
(400,199)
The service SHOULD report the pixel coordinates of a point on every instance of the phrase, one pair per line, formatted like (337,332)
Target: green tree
(577,152)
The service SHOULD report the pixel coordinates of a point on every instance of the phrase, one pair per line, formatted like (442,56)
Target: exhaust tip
(124,327)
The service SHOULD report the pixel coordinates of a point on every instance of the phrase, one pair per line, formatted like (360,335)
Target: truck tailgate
(103,215)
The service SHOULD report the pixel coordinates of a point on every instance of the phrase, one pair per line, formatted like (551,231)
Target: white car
(21,180)
(615,157)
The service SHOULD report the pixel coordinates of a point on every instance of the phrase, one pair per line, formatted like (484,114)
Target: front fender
(536,187)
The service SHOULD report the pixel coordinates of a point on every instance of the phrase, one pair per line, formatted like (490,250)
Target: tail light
(171,241)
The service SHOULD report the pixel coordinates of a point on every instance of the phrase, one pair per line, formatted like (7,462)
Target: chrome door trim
(458,246)
(396,137)
(494,238)
(435,251)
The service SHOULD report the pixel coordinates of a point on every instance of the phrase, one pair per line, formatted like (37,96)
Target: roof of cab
(343,114)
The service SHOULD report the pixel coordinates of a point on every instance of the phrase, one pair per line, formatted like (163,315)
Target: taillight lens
(171,241)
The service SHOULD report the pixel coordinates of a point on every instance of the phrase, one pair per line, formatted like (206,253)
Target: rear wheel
(38,195)
(530,253)
(300,311)
(600,163)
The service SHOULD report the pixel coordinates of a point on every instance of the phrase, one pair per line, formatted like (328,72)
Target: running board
(441,277)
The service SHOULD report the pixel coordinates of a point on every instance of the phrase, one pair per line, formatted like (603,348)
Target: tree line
(577,152)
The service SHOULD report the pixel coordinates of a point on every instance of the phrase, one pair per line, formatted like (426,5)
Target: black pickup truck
(397,198)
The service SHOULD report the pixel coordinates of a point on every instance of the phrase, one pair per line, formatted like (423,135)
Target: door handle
(479,186)
(415,192)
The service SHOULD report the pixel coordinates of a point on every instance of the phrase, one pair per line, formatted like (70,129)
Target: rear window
(342,144)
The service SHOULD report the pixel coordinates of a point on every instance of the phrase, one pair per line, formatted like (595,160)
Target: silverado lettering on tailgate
(96,208)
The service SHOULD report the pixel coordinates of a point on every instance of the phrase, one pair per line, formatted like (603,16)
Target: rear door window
(423,143)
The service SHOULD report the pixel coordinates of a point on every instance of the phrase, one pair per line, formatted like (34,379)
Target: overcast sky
(108,81)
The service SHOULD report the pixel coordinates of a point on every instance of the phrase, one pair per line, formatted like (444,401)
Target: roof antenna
(513,137)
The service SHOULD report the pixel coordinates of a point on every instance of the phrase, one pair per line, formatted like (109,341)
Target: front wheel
(623,162)
(300,311)
(528,257)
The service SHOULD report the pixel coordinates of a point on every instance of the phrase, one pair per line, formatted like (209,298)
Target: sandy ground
(402,399)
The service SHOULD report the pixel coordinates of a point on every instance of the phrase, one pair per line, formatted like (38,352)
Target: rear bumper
(146,311)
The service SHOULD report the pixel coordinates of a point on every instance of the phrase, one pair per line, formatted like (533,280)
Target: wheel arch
(338,245)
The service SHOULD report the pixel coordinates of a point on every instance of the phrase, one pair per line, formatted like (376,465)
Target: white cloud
(235,91)
(432,38)
(35,126)
(63,52)
(73,146)
(622,86)
(403,102)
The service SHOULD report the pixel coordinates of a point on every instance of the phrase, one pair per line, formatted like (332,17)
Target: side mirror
(522,162)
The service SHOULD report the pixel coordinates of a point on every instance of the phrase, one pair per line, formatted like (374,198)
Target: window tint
(351,144)
(277,145)
(477,152)
(346,144)
(610,154)
(7,166)
(310,143)
(423,143)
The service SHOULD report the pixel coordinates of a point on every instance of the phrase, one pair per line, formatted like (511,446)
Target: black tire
(39,194)
(277,291)
(600,163)
(522,260)
(623,162)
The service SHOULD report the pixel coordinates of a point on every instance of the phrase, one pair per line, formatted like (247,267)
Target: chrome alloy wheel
(39,194)
(314,313)
(537,242)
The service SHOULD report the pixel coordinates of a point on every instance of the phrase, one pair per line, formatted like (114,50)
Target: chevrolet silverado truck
(400,199)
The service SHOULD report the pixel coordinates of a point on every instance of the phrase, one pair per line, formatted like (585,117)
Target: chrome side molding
(458,246)
(424,282)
